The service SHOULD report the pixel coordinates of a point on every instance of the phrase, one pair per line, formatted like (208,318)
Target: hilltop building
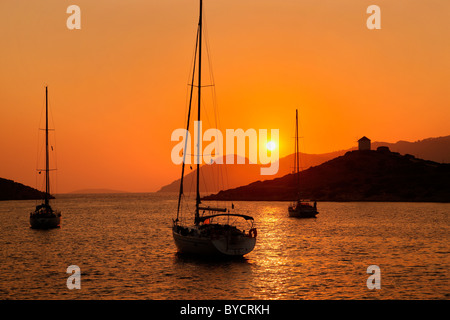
(364,144)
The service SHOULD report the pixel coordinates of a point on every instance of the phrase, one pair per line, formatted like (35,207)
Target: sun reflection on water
(124,247)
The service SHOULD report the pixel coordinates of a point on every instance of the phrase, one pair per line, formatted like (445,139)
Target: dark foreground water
(124,248)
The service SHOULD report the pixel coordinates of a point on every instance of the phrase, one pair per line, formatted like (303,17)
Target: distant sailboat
(300,208)
(44,217)
(208,236)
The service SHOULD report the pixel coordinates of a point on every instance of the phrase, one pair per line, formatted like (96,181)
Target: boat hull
(302,212)
(210,246)
(41,222)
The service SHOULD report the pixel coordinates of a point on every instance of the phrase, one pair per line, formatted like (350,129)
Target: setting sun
(271,145)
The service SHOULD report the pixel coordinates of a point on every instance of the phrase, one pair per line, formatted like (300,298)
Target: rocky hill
(356,176)
(225,176)
(10,190)
(216,177)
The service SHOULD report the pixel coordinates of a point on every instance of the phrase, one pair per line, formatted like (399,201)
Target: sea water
(123,246)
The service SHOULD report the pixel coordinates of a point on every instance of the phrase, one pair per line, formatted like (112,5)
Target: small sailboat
(44,217)
(210,234)
(300,208)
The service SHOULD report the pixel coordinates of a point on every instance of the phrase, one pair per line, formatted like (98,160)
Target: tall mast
(296,142)
(200,31)
(47,180)
(297,152)
(187,130)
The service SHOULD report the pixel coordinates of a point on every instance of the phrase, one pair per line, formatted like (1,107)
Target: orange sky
(118,86)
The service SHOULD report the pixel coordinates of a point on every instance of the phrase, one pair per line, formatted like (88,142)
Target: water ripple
(125,250)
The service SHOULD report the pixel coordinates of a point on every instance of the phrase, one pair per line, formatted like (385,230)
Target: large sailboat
(214,231)
(300,208)
(44,216)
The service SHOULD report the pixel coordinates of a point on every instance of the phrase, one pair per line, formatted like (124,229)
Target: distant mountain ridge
(216,177)
(11,190)
(235,175)
(94,191)
(434,149)
(357,176)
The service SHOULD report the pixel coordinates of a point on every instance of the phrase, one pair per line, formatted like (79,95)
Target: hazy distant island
(366,175)
(95,191)
(11,190)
